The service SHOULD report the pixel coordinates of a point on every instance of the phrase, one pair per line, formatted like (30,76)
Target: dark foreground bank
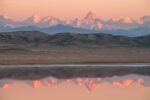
(32,73)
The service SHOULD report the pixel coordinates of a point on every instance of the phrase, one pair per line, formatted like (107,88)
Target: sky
(69,9)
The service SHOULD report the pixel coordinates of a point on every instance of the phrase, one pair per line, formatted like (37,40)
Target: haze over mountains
(89,24)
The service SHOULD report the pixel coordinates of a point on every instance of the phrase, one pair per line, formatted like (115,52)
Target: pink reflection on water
(140,81)
(92,86)
(125,83)
(37,84)
(5,86)
(90,83)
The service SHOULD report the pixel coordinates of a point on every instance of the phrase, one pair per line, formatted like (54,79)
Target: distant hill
(139,31)
(50,30)
(34,47)
(73,39)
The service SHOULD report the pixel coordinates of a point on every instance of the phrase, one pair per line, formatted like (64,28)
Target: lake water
(128,87)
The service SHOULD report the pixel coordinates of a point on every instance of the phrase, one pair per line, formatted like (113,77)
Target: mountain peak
(145,20)
(114,19)
(145,17)
(35,18)
(127,20)
(50,20)
(90,15)
(4,17)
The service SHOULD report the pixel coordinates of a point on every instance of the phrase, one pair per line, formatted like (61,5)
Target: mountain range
(89,24)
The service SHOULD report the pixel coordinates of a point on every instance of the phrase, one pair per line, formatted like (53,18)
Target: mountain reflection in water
(129,87)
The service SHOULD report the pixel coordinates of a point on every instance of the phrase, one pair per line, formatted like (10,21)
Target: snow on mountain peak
(50,21)
(33,19)
(99,25)
(36,19)
(90,21)
(68,22)
(127,20)
(4,17)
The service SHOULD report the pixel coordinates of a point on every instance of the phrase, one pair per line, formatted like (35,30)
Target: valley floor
(74,56)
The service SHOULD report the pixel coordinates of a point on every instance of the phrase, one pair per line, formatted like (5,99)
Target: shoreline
(81,65)
(36,73)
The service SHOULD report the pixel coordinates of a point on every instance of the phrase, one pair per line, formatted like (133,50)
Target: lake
(75,82)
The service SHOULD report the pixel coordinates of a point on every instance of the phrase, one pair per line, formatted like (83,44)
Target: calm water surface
(129,87)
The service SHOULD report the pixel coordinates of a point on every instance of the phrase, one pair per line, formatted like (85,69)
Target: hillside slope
(39,48)
(73,39)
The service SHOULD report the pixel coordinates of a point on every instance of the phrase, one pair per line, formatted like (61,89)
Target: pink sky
(69,9)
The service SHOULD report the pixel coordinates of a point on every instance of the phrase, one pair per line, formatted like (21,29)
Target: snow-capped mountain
(50,21)
(145,21)
(37,21)
(31,21)
(7,22)
(89,23)
(122,23)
